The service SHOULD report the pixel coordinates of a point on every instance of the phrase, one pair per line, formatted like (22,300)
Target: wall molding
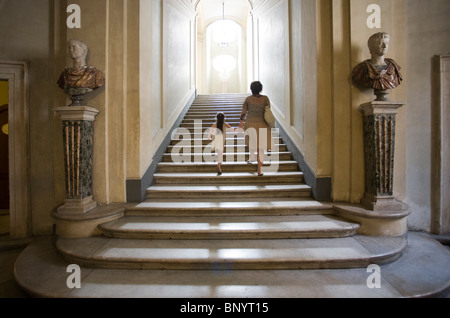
(440,203)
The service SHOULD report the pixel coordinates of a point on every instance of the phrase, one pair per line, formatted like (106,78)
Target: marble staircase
(195,219)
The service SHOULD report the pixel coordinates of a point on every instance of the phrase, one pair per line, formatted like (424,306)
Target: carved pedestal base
(78,137)
(379,148)
(381,203)
(77,206)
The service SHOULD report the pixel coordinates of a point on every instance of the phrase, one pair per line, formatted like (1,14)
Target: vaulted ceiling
(212,10)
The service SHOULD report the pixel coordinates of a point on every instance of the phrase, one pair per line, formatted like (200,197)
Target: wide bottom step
(100,252)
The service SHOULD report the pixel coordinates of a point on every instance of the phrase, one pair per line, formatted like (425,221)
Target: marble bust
(379,72)
(80,79)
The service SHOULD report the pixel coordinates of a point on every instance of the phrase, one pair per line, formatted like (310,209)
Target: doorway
(14,76)
(4,159)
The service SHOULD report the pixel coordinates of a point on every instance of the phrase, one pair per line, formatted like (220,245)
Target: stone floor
(423,270)
(9,252)
(4,223)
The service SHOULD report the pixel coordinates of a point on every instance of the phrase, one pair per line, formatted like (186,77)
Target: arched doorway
(223,46)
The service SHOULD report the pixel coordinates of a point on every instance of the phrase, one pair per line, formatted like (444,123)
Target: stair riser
(226,159)
(208,122)
(210,117)
(180,168)
(205,142)
(228,149)
(231,156)
(227,265)
(229,236)
(228,180)
(227,195)
(202,132)
(198,212)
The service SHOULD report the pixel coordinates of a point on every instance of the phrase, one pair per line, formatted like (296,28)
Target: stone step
(171,167)
(230,140)
(210,107)
(230,207)
(228,148)
(199,114)
(207,123)
(229,157)
(202,132)
(221,106)
(290,254)
(421,271)
(191,191)
(227,178)
(229,228)
(211,117)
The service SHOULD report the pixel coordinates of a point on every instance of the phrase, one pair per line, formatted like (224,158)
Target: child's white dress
(219,138)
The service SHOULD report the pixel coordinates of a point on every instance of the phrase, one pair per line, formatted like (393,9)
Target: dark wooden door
(4,158)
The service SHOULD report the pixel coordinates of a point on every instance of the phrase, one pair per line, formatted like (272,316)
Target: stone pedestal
(78,137)
(379,148)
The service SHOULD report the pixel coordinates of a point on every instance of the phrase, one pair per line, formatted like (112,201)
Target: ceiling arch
(212,10)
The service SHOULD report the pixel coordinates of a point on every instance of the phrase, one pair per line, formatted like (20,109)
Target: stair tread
(236,163)
(230,224)
(210,204)
(227,175)
(283,253)
(228,187)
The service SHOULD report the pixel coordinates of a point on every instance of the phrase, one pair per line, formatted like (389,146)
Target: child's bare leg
(260,161)
(252,155)
(219,161)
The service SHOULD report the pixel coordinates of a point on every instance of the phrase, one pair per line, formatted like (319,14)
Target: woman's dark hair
(256,87)
(220,121)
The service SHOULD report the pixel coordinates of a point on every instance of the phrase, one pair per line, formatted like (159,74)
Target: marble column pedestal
(78,136)
(380,213)
(379,150)
(80,215)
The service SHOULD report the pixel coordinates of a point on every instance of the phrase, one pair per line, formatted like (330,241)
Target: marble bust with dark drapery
(80,79)
(379,73)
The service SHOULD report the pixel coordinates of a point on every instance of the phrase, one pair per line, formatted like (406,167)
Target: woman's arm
(243,114)
(230,128)
(268,101)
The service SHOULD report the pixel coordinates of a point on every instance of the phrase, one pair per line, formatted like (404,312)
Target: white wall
(177,57)
(428,30)
(273,54)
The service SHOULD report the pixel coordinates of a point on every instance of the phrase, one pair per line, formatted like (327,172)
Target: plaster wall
(273,58)
(428,29)
(26,35)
